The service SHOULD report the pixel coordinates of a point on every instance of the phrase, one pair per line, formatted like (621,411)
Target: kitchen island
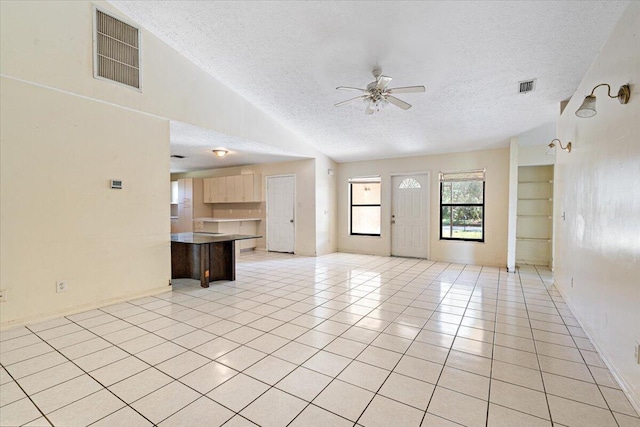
(205,256)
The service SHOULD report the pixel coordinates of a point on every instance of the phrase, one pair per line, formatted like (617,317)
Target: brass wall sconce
(552,146)
(588,107)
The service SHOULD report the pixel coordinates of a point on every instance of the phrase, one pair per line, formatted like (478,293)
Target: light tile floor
(338,340)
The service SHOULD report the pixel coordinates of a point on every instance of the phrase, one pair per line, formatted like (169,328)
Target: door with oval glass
(409,215)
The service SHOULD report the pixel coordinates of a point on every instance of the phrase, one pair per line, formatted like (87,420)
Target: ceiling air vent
(526,86)
(117,50)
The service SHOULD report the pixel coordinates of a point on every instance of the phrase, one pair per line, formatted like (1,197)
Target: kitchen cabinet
(174,192)
(190,205)
(233,189)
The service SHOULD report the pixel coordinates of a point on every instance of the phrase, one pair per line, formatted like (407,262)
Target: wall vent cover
(117,50)
(527,86)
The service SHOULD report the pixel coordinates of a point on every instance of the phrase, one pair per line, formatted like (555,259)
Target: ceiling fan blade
(340,104)
(370,108)
(383,82)
(407,89)
(398,102)
(351,88)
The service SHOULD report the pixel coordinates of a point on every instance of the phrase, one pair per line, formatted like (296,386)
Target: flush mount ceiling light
(552,146)
(588,107)
(220,152)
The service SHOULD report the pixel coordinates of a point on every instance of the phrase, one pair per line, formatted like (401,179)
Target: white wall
(50,43)
(46,55)
(326,206)
(513,204)
(494,249)
(598,186)
(305,195)
(59,218)
(536,155)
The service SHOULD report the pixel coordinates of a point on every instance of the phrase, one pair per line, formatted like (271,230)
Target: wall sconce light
(588,107)
(220,152)
(552,147)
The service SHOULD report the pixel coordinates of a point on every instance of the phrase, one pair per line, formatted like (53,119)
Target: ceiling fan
(377,95)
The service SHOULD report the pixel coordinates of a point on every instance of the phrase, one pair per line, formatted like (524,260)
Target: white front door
(280,213)
(409,210)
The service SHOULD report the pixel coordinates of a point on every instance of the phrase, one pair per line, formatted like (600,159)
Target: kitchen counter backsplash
(240,210)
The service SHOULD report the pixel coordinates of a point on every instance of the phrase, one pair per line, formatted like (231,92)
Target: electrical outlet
(61,286)
(3,295)
(572,282)
(230,211)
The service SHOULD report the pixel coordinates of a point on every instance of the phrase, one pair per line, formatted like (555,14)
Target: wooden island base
(204,257)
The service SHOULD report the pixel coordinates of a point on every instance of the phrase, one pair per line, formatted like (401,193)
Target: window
(365,206)
(409,183)
(462,205)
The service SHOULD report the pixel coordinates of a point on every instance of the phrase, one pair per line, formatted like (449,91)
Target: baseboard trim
(81,308)
(626,389)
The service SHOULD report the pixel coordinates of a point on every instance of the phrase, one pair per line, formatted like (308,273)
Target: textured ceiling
(288,57)
(196,145)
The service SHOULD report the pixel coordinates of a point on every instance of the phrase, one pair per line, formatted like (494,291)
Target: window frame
(452,205)
(363,180)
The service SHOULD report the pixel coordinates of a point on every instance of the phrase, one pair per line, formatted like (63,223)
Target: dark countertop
(202,238)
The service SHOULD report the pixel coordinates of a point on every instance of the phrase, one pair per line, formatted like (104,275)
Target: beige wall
(50,43)
(598,186)
(59,218)
(492,252)
(93,238)
(305,195)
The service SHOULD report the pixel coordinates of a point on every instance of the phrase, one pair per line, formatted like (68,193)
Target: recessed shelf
(534,239)
(536,182)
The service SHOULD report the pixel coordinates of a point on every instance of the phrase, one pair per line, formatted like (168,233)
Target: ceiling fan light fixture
(377,94)
(219,152)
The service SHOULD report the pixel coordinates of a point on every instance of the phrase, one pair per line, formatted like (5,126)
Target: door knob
(291,220)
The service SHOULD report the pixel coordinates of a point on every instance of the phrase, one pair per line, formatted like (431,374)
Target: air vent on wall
(117,50)
(526,86)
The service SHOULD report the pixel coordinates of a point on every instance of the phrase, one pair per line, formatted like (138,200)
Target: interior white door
(280,214)
(409,210)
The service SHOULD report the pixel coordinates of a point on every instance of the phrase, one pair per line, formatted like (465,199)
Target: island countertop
(203,238)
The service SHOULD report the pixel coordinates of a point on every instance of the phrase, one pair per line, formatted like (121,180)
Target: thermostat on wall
(116,183)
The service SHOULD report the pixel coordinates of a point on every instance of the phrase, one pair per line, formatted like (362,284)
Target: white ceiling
(288,57)
(196,144)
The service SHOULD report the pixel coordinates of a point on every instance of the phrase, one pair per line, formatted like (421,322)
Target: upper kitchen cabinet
(233,189)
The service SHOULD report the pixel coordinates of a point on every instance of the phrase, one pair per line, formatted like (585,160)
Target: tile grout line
(92,377)
(452,343)
(493,347)
(581,355)
(354,359)
(28,396)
